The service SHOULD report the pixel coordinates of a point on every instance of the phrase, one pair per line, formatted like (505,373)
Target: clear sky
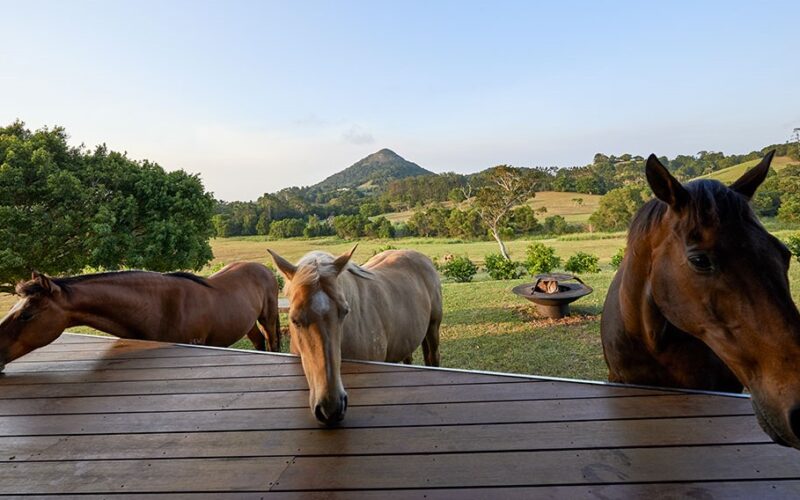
(256,96)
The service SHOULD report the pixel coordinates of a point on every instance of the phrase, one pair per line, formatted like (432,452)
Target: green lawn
(227,250)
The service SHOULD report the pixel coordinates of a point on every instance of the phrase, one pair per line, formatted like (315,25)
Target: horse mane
(33,287)
(711,203)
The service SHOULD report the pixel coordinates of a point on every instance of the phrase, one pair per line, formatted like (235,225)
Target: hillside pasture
(730,174)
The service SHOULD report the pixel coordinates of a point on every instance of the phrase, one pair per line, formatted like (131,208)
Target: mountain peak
(379,168)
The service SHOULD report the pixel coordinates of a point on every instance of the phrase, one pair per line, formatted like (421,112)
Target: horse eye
(701,262)
(295,322)
(26,316)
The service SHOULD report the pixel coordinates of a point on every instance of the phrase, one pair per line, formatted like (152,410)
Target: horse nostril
(320,414)
(344,403)
(794,421)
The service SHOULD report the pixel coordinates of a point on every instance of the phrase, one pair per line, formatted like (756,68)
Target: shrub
(500,268)
(583,262)
(616,259)
(278,276)
(383,248)
(793,243)
(556,224)
(541,259)
(460,269)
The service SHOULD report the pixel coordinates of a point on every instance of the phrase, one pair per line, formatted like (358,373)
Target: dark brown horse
(174,307)
(701,299)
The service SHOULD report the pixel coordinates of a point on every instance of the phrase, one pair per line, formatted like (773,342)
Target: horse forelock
(711,205)
(30,289)
(314,273)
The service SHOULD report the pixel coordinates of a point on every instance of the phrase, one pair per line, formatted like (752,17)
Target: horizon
(257,97)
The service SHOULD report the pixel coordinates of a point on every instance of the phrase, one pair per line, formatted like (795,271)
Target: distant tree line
(620,176)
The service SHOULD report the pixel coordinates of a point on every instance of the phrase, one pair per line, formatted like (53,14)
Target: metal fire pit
(552,293)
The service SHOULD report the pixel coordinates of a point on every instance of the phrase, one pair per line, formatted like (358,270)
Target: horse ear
(341,261)
(747,184)
(287,268)
(666,187)
(44,281)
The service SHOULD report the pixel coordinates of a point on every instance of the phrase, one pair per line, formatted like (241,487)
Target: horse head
(37,319)
(317,309)
(717,274)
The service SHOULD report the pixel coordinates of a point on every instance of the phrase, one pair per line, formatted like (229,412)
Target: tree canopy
(63,209)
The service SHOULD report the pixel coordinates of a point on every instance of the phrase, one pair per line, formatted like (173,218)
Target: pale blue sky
(256,96)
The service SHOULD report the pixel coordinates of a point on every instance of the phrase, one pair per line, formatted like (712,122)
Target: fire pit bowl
(552,293)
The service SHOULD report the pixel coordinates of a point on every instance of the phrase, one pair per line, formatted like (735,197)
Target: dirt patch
(530,315)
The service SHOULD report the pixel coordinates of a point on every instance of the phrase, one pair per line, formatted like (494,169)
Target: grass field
(485,326)
(730,174)
(557,203)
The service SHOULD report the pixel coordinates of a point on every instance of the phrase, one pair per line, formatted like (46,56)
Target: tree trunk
(503,250)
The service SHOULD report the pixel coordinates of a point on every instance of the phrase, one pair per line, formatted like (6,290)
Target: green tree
(617,208)
(286,228)
(63,209)
(349,226)
(504,187)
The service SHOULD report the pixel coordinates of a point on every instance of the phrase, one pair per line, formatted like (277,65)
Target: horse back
(391,311)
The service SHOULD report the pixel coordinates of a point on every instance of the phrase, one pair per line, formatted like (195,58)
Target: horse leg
(271,323)
(430,344)
(257,338)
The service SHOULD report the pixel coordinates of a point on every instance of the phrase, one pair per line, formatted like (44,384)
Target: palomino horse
(701,299)
(379,312)
(175,307)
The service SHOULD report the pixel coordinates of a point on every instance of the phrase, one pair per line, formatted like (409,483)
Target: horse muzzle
(330,412)
(782,429)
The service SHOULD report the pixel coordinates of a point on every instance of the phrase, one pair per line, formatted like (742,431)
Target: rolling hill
(374,170)
(556,203)
(730,174)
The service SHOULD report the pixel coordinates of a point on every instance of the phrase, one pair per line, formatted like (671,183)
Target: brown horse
(701,299)
(380,312)
(174,307)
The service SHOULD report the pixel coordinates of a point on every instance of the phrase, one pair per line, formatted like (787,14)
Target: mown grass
(254,248)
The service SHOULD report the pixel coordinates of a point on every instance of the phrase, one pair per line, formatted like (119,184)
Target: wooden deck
(98,416)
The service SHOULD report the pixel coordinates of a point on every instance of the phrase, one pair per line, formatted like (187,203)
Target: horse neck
(107,305)
(635,301)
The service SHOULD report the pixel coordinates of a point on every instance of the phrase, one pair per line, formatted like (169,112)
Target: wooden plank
(513,391)
(729,490)
(228,474)
(113,343)
(626,465)
(392,440)
(351,381)
(108,352)
(380,416)
(16,377)
(77,338)
(225,358)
